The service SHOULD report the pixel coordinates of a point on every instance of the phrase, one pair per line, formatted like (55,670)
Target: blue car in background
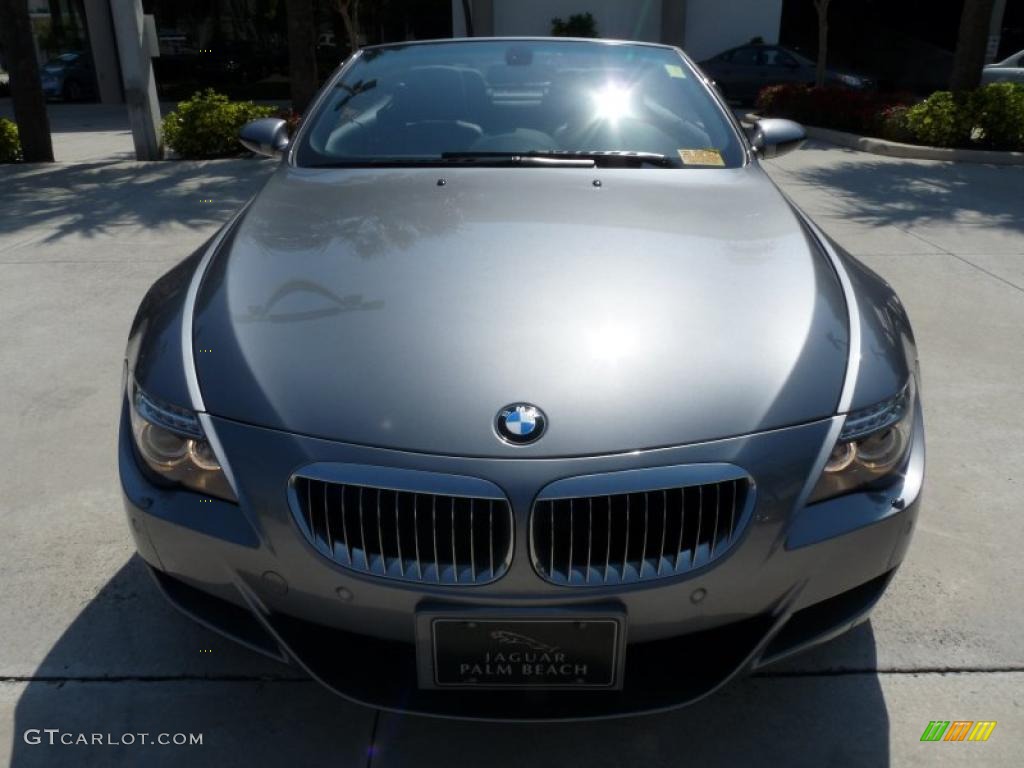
(69,76)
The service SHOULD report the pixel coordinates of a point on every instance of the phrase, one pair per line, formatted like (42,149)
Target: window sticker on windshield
(674,70)
(701,157)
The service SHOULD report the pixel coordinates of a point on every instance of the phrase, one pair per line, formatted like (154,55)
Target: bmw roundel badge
(520,423)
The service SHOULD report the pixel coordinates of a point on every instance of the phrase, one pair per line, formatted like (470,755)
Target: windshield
(487,100)
(64,60)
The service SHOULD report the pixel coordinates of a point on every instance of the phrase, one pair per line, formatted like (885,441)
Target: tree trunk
(26,88)
(467,12)
(819,72)
(301,52)
(57,23)
(349,10)
(970,45)
(76,19)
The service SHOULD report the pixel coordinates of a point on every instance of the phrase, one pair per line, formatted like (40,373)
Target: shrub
(830,107)
(207,124)
(988,118)
(893,124)
(578,25)
(999,115)
(944,119)
(10,144)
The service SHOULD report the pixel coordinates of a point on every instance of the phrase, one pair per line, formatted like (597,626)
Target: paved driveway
(87,645)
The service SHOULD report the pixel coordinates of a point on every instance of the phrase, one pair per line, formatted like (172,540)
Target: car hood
(403,308)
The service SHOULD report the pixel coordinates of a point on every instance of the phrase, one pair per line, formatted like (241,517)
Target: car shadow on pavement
(123,198)
(129,663)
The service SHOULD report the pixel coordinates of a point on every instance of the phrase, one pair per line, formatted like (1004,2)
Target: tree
(970,45)
(56,23)
(301,52)
(822,7)
(349,10)
(26,87)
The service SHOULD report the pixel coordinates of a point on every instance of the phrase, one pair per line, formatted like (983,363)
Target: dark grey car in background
(742,72)
(69,76)
(520,392)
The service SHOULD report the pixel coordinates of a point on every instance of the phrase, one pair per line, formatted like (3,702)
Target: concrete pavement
(84,132)
(87,644)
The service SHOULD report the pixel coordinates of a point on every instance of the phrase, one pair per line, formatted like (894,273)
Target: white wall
(713,26)
(620,19)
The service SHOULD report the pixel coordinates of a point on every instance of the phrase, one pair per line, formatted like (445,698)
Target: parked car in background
(742,72)
(69,76)
(1009,70)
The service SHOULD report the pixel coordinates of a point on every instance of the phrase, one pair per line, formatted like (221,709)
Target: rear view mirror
(266,136)
(774,137)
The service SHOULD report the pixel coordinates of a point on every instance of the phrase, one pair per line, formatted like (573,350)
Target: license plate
(524,653)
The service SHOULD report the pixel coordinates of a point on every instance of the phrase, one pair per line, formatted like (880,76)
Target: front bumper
(797,577)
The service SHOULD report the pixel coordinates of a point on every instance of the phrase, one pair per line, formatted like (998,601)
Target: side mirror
(774,137)
(266,136)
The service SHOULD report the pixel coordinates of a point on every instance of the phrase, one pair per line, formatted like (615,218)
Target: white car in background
(1010,70)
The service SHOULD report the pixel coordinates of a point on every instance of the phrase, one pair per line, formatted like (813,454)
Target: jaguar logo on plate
(537,653)
(520,423)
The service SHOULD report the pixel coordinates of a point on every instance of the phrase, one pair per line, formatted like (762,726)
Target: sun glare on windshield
(612,102)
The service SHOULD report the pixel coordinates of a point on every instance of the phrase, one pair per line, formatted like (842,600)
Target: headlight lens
(172,444)
(851,80)
(872,447)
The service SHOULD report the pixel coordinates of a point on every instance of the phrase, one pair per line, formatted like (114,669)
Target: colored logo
(958,730)
(520,423)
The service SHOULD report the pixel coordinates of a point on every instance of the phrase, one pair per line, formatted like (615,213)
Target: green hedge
(944,119)
(988,118)
(10,144)
(991,117)
(207,125)
(998,111)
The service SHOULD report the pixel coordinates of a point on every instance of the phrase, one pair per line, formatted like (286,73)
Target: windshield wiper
(516,158)
(587,159)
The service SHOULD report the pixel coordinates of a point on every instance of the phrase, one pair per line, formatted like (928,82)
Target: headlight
(851,80)
(172,443)
(872,447)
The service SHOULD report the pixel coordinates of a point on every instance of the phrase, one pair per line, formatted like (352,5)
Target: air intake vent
(631,537)
(403,534)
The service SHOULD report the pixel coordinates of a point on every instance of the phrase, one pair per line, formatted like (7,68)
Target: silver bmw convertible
(521,392)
